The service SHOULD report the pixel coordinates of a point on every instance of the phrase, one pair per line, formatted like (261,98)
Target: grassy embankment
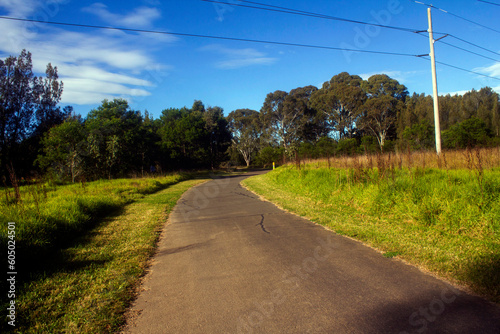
(81,249)
(442,215)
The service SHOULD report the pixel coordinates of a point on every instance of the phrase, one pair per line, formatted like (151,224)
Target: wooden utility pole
(434,86)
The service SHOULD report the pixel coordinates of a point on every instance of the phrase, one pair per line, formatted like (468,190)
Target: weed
(390,255)
(14,182)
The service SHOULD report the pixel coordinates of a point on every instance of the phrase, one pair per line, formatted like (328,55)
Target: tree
(48,92)
(276,120)
(420,136)
(246,127)
(28,108)
(114,139)
(289,118)
(469,133)
(340,101)
(63,146)
(379,117)
(382,85)
(184,138)
(218,133)
(308,125)
(385,103)
(17,99)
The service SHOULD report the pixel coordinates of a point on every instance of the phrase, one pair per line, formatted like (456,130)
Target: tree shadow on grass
(34,262)
(484,274)
(37,263)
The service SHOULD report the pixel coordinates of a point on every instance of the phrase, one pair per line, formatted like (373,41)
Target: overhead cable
(236,39)
(455,15)
(208,36)
(305,13)
(489,2)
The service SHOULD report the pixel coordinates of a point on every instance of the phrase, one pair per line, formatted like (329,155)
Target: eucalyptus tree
(246,128)
(385,103)
(340,101)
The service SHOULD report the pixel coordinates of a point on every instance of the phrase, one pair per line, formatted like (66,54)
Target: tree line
(347,115)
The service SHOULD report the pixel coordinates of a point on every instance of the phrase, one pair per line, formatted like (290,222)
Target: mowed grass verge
(443,221)
(88,286)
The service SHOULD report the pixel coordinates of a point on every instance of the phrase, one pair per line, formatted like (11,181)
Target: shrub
(469,133)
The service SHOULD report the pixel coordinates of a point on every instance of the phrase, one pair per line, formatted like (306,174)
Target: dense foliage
(347,115)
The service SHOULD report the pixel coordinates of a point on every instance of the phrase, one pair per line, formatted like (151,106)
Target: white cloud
(493,70)
(90,89)
(458,92)
(93,65)
(401,77)
(18,8)
(463,92)
(244,62)
(139,17)
(238,58)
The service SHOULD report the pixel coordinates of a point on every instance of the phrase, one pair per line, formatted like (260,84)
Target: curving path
(228,262)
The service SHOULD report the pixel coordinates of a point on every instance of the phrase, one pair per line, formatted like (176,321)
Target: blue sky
(157,71)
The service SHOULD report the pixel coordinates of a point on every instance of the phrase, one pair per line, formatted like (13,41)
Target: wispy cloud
(91,89)
(458,92)
(18,8)
(400,76)
(93,65)
(141,17)
(493,70)
(238,58)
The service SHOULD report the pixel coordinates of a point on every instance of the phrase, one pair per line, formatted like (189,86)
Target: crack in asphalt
(241,194)
(261,224)
(185,202)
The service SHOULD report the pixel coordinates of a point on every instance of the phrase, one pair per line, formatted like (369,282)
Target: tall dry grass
(471,159)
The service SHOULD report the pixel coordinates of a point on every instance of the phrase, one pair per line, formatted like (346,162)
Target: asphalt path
(229,262)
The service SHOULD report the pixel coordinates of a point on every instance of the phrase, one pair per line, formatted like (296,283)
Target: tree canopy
(347,115)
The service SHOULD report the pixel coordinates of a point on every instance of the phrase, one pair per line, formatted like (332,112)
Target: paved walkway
(231,263)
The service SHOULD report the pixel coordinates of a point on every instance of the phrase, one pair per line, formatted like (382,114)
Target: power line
(287,10)
(209,37)
(239,40)
(305,13)
(461,68)
(468,51)
(457,16)
(491,3)
(466,70)
(465,50)
(477,46)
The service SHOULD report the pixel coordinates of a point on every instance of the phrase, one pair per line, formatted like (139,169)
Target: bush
(268,155)
(369,145)
(326,146)
(469,133)
(347,146)
(420,136)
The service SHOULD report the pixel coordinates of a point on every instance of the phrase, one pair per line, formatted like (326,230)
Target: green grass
(48,216)
(445,221)
(87,287)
